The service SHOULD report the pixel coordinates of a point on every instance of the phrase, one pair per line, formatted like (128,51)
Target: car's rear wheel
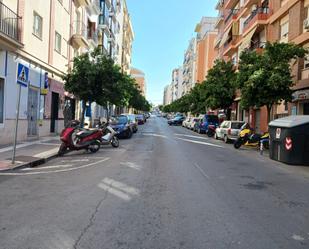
(130,133)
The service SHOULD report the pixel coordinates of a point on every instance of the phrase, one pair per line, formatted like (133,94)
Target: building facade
(205,52)
(189,77)
(139,77)
(43,37)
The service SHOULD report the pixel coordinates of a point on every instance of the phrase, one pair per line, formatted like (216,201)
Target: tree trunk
(82,118)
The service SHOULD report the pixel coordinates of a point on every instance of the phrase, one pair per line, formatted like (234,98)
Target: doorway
(54,111)
(306,108)
(33,99)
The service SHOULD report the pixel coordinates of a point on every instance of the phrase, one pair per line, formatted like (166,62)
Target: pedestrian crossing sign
(22,75)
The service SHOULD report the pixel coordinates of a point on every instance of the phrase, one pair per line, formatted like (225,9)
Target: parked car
(197,124)
(140,119)
(192,122)
(176,121)
(229,130)
(206,120)
(186,122)
(121,125)
(132,121)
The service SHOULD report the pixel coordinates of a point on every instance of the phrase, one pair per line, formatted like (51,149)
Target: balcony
(104,22)
(79,35)
(229,4)
(9,29)
(259,16)
(82,3)
(258,47)
(232,15)
(94,7)
(231,46)
(93,38)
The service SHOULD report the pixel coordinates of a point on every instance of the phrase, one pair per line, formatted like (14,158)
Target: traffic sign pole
(16,124)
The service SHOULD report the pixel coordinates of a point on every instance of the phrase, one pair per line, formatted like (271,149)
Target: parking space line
(202,171)
(184,135)
(55,171)
(48,167)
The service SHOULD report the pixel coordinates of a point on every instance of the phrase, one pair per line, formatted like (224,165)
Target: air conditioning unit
(306,24)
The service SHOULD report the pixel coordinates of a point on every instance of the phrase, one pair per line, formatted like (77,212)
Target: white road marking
(131,165)
(298,237)
(184,135)
(76,160)
(154,135)
(55,171)
(199,142)
(202,171)
(48,167)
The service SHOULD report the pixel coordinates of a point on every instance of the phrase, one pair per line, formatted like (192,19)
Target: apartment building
(205,52)
(289,23)
(139,76)
(177,80)
(189,77)
(43,37)
(168,95)
(249,24)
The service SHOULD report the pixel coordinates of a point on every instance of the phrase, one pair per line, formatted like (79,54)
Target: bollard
(261,147)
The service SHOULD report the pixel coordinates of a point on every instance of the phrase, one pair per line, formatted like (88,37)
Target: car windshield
(212,118)
(119,120)
(237,125)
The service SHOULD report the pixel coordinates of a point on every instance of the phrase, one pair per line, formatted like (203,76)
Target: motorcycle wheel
(210,133)
(237,144)
(94,146)
(115,142)
(62,149)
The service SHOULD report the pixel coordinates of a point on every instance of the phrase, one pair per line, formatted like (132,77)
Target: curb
(33,164)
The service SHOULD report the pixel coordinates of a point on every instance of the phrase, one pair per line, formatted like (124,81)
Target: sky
(162,30)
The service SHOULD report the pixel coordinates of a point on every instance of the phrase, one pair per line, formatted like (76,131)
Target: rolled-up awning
(225,37)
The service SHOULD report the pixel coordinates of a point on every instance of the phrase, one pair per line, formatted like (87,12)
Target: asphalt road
(165,188)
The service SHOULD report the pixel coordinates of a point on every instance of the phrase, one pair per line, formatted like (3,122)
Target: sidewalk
(29,154)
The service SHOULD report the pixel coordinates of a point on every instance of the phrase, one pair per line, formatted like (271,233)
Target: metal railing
(79,28)
(260,10)
(9,22)
(232,13)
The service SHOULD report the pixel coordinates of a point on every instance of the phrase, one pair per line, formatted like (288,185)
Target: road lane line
(184,135)
(202,171)
(199,142)
(55,171)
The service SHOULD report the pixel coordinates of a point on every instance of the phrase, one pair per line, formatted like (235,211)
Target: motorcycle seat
(83,134)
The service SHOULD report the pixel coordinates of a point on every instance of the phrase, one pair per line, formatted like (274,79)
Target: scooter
(211,130)
(108,135)
(75,138)
(248,138)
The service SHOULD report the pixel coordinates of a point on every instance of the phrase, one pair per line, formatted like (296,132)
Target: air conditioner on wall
(306,24)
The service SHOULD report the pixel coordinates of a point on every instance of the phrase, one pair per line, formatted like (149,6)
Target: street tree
(265,79)
(219,87)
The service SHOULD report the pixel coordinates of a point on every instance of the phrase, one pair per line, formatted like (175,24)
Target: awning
(217,41)
(225,37)
(246,41)
(300,95)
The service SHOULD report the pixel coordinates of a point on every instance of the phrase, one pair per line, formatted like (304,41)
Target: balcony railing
(9,22)
(233,13)
(79,28)
(260,13)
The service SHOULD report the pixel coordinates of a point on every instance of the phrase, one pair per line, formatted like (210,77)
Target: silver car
(229,130)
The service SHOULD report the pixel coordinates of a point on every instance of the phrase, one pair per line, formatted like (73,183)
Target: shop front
(300,102)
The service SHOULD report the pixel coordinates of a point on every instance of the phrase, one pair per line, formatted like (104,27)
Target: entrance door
(54,111)
(306,108)
(33,97)
(257,121)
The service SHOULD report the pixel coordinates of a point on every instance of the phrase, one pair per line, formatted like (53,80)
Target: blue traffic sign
(22,75)
(46,80)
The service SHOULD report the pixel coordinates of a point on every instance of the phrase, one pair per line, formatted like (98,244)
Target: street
(165,188)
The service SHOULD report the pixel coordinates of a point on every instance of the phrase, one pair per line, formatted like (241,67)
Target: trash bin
(289,140)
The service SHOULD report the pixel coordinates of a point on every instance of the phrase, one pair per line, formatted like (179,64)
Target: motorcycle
(108,135)
(75,138)
(248,138)
(211,131)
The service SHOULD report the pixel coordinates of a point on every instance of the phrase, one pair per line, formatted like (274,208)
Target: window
(284,30)
(58,40)
(1,101)
(37,25)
